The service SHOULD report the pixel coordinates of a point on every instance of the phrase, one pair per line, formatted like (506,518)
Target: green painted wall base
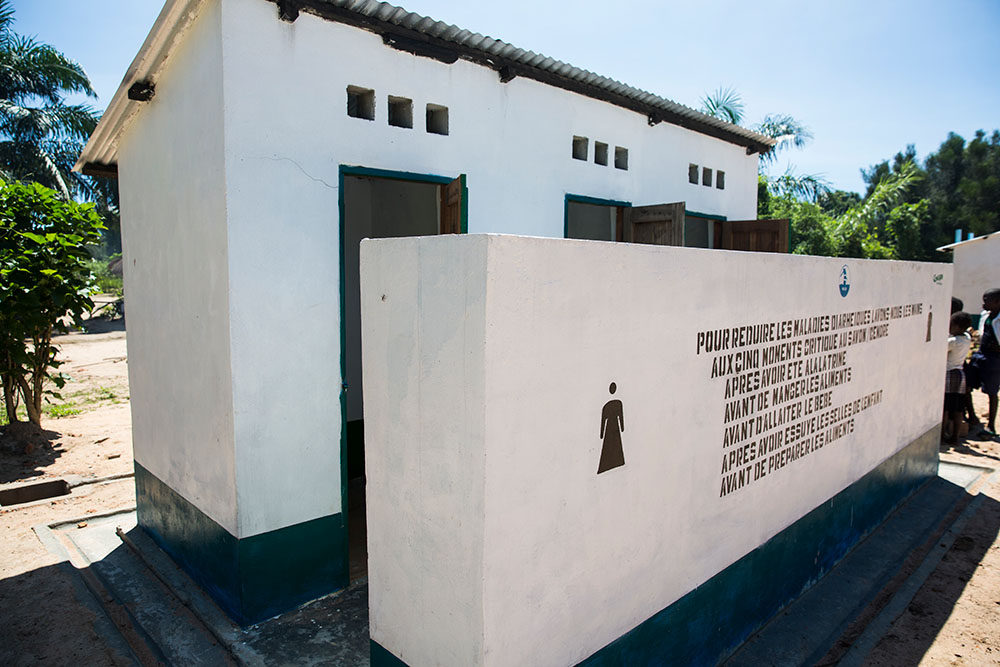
(380,657)
(254,578)
(709,623)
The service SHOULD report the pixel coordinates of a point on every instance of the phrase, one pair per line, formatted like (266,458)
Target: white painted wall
(571,560)
(977,269)
(176,253)
(248,129)
(424,307)
(286,133)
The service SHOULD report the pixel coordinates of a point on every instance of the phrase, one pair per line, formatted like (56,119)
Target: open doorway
(594,219)
(378,204)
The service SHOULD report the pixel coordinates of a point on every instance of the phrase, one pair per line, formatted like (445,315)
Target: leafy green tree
(40,135)
(837,202)
(44,281)
(810,227)
(904,226)
(856,233)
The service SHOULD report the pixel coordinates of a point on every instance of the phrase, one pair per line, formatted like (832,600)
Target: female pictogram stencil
(612,425)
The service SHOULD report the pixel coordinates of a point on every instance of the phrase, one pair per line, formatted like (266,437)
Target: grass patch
(61,410)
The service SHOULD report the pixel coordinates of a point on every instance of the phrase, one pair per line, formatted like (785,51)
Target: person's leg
(956,419)
(991,423)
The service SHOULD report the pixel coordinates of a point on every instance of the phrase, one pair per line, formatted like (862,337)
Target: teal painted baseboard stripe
(380,657)
(254,578)
(709,623)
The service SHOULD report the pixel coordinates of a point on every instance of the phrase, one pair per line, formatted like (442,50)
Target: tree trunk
(9,399)
(34,414)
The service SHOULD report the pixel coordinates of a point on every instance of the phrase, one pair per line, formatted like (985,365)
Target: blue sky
(866,77)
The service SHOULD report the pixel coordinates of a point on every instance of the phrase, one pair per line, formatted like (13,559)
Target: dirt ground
(953,620)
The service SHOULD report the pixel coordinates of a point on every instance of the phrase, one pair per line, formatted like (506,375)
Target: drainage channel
(53,488)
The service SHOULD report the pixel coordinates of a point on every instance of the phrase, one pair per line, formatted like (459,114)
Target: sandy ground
(42,621)
(953,620)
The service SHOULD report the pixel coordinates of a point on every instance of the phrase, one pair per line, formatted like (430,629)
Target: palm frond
(724,104)
(800,186)
(787,131)
(32,69)
(887,194)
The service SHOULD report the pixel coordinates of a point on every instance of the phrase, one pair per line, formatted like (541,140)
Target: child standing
(959,343)
(983,369)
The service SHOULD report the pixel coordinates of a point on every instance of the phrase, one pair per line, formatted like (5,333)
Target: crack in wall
(299,167)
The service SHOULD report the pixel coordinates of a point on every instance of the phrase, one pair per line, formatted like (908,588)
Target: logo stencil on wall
(845,286)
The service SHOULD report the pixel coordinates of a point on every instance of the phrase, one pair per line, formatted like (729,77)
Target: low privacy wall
(612,453)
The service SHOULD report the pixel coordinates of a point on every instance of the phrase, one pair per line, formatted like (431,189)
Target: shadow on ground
(911,636)
(51,619)
(962,447)
(26,452)
(102,325)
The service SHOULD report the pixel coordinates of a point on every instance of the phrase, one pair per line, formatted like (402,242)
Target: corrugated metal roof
(387,13)
(385,18)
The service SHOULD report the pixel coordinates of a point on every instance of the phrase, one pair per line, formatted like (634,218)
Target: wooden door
(755,235)
(452,209)
(661,224)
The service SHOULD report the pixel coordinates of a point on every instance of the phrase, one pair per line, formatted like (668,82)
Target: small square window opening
(360,103)
(706,176)
(720,180)
(693,174)
(581,146)
(437,119)
(621,158)
(400,111)
(600,153)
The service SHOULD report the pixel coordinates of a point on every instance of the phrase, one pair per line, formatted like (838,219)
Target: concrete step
(172,634)
(842,617)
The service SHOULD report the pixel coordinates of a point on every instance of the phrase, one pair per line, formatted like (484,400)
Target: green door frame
(354,170)
(583,199)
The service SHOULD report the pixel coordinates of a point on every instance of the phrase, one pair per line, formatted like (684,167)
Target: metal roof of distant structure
(408,32)
(952,246)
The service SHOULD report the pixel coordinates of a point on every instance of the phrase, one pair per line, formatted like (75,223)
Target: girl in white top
(959,344)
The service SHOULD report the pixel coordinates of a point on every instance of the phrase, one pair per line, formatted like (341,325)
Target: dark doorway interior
(374,207)
(593,221)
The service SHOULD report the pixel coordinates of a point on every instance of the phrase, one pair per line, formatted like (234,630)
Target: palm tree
(40,135)
(726,104)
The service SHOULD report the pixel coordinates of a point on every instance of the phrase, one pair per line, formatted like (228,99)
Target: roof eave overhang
(508,68)
(951,246)
(99,156)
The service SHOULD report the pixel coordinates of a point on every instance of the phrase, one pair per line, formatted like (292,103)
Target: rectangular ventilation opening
(360,103)
(581,147)
(621,158)
(600,153)
(693,174)
(437,119)
(400,112)
(720,180)
(706,176)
